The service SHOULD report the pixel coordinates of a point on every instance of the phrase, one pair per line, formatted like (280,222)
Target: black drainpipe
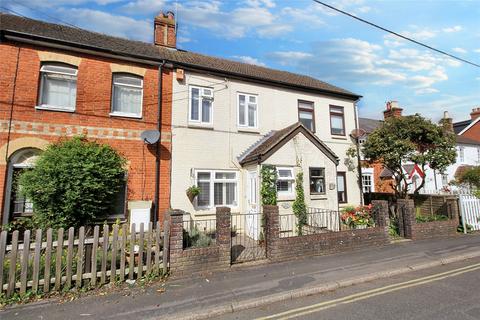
(159,144)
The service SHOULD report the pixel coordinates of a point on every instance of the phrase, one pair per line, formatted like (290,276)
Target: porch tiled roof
(259,152)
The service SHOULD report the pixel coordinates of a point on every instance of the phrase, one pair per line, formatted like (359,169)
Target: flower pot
(361,226)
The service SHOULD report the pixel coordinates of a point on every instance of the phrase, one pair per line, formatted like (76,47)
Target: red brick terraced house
(58,81)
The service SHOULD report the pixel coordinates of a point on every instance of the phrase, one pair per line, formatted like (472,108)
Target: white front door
(252,220)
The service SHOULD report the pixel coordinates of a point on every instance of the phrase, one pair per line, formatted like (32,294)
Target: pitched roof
(369,125)
(465,140)
(268,144)
(408,168)
(459,126)
(75,37)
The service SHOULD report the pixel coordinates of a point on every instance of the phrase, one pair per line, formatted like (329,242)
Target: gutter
(359,162)
(159,143)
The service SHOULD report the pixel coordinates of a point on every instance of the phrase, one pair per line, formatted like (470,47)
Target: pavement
(244,287)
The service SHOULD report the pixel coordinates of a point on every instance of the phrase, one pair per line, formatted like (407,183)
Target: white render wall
(218,147)
(470,158)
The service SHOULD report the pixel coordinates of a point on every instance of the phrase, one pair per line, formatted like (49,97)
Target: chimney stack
(447,122)
(392,110)
(165,30)
(475,113)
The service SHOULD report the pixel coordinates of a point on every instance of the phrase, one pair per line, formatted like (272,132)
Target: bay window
(217,188)
(247,110)
(201,100)
(58,87)
(285,181)
(127,95)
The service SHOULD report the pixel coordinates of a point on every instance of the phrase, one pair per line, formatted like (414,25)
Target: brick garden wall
(322,243)
(199,261)
(32,127)
(410,229)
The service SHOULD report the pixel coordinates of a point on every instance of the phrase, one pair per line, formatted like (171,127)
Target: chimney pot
(392,110)
(165,30)
(475,113)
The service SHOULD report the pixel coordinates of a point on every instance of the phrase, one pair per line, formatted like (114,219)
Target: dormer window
(127,95)
(58,87)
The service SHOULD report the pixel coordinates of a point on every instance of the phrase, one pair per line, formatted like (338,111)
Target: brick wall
(198,261)
(410,229)
(91,117)
(279,249)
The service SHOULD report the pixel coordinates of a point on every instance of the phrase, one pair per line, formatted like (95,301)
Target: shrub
(299,207)
(357,216)
(268,191)
(73,183)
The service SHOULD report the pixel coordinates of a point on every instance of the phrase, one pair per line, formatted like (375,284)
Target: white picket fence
(470,211)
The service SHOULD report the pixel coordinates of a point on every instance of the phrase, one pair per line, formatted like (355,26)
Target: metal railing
(199,232)
(318,221)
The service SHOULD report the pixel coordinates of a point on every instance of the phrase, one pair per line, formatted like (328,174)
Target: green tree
(74,182)
(470,177)
(410,139)
(299,207)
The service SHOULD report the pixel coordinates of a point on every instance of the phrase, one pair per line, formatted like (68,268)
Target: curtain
(59,91)
(127,99)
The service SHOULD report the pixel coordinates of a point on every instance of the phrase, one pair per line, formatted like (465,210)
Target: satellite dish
(150,136)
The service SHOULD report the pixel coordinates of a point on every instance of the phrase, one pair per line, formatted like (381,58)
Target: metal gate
(248,237)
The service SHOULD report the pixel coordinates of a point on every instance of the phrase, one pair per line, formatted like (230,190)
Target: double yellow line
(295,313)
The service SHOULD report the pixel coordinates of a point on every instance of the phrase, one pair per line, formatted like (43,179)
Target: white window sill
(53,108)
(339,137)
(248,129)
(198,125)
(318,197)
(285,197)
(125,115)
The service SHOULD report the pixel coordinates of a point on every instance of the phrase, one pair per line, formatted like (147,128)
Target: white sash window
(58,87)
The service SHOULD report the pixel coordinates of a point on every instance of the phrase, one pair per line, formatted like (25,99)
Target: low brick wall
(279,249)
(434,229)
(199,261)
(327,243)
(409,228)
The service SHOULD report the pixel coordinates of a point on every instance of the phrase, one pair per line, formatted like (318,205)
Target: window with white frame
(285,181)
(247,110)
(127,95)
(217,188)
(201,100)
(461,154)
(367,183)
(58,86)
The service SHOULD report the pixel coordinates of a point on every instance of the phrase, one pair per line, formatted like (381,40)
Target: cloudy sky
(304,37)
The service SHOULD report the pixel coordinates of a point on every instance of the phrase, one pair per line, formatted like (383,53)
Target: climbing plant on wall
(268,190)
(299,207)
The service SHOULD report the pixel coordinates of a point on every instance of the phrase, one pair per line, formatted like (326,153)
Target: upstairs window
(127,95)
(317,180)
(337,121)
(201,100)
(306,114)
(58,87)
(285,181)
(247,110)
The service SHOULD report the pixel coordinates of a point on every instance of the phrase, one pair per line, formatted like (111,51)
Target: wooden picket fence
(65,258)
(470,211)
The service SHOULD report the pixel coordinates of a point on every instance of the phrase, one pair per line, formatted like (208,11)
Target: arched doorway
(16,205)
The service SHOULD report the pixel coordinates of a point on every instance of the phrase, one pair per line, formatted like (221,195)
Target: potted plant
(358,217)
(192,192)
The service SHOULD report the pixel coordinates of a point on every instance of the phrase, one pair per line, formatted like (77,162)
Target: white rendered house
(226,125)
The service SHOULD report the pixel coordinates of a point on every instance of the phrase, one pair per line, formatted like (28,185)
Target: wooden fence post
(24,262)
